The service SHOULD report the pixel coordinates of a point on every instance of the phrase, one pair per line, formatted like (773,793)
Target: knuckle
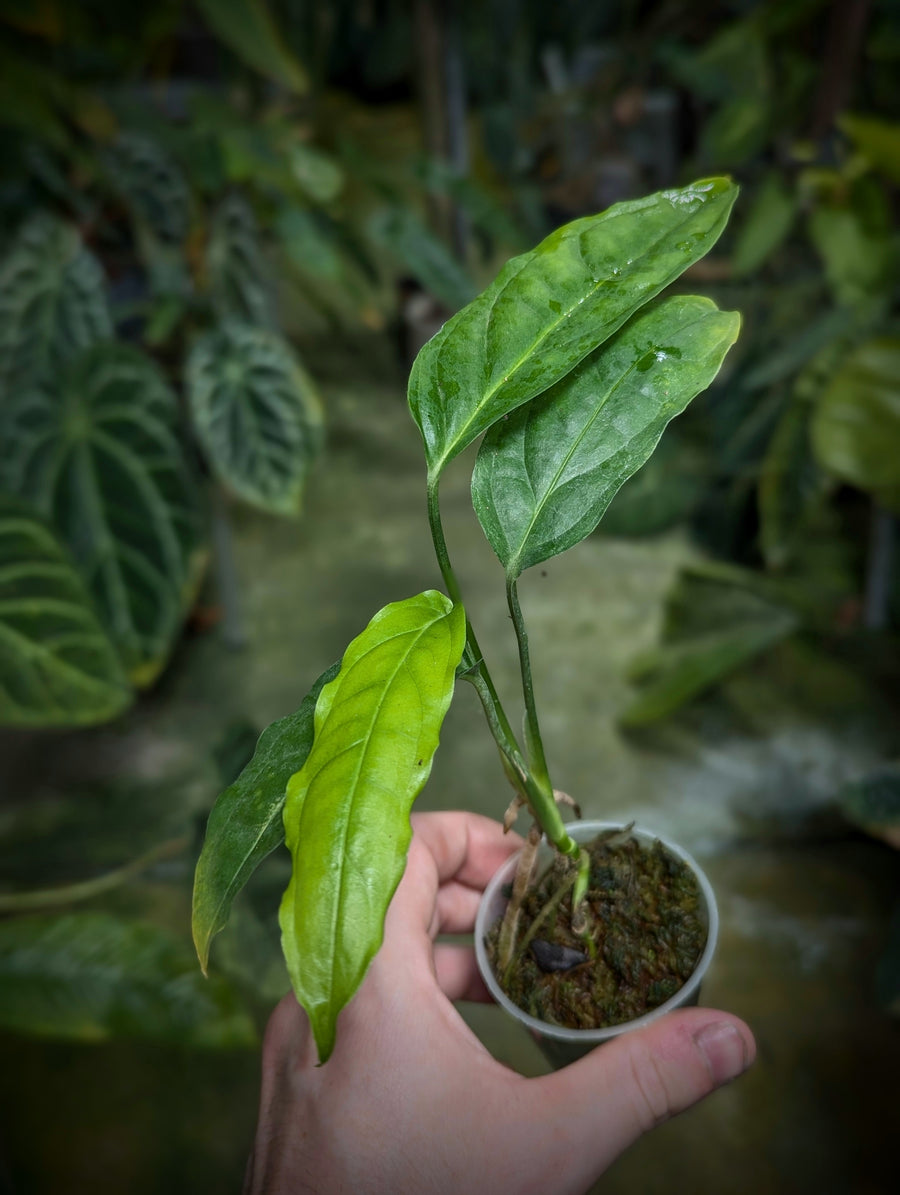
(650,1095)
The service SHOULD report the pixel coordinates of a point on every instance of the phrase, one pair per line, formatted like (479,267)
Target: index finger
(466,847)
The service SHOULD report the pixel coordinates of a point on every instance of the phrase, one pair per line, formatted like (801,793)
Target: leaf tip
(323,1024)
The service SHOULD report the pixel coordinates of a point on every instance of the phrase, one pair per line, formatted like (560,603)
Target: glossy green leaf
(247,28)
(547,309)
(856,425)
(238,276)
(57,665)
(256,413)
(52,302)
(152,185)
(347,810)
(663,493)
(93,977)
(246,822)
(545,475)
(102,458)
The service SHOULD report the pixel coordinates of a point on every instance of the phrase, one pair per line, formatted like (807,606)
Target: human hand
(410,1100)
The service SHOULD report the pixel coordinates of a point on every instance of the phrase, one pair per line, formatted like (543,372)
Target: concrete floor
(745,781)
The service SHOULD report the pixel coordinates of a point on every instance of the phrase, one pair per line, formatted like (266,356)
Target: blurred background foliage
(196,191)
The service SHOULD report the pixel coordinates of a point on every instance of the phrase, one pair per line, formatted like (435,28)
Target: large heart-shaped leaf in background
(52,302)
(346,816)
(238,277)
(256,413)
(547,309)
(545,475)
(57,665)
(246,821)
(103,460)
(92,976)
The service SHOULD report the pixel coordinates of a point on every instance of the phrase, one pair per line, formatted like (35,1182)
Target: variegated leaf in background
(152,184)
(238,276)
(57,665)
(256,414)
(52,302)
(100,455)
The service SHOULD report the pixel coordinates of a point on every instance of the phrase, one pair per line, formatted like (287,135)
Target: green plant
(99,462)
(570,368)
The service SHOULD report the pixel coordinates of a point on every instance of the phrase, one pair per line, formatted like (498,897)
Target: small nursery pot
(561,1045)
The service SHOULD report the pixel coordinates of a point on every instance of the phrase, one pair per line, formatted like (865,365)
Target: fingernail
(724,1050)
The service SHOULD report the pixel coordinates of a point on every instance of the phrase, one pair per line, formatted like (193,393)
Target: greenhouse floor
(745,780)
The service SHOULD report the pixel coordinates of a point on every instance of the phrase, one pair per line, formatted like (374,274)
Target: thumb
(625,1087)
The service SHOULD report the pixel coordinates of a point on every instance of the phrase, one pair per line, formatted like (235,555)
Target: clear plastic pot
(561,1045)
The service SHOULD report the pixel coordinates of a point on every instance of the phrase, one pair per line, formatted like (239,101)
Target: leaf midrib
(539,507)
(354,789)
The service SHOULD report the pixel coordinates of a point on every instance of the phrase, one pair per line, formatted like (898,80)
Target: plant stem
(533,742)
(538,794)
(44,898)
(550,907)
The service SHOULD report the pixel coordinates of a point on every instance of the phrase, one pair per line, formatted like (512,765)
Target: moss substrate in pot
(653,928)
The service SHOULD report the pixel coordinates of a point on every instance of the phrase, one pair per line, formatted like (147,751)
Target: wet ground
(745,781)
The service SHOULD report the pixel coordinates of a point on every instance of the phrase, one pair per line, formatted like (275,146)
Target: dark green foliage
(256,414)
(91,976)
(99,453)
(57,664)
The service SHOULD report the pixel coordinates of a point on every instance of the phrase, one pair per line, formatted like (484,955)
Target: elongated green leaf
(256,413)
(103,461)
(878,140)
(549,308)
(716,620)
(856,426)
(766,227)
(57,666)
(309,241)
(677,673)
(152,185)
(790,484)
(247,28)
(317,173)
(92,977)
(246,821)
(52,303)
(423,254)
(347,811)
(238,276)
(859,262)
(545,475)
